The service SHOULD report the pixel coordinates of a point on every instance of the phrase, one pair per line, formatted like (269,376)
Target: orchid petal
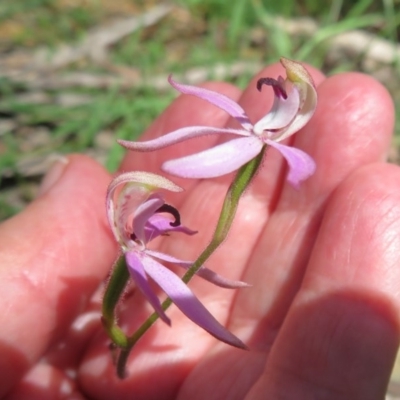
(301,165)
(282,113)
(158,225)
(141,184)
(216,279)
(138,274)
(188,303)
(303,116)
(217,161)
(178,136)
(143,212)
(203,272)
(218,99)
(301,79)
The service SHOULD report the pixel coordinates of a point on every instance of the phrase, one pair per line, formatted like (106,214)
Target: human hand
(321,318)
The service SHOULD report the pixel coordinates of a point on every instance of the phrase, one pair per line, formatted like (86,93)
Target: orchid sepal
(178,136)
(217,161)
(203,272)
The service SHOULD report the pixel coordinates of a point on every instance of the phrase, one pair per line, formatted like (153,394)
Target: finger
(342,332)
(352,127)
(52,257)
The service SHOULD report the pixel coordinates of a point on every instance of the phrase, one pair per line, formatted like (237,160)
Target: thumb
(52,257)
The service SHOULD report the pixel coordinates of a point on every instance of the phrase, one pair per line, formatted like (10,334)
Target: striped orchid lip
(295,100)
(137,214)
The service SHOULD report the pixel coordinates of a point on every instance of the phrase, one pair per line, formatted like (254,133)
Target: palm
(320,317)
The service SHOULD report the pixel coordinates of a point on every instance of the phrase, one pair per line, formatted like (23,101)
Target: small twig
(96,43)
(101,81)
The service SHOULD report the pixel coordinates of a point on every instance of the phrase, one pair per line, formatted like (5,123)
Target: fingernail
(53,174)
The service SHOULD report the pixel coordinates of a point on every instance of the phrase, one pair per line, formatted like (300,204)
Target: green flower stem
(242,180)
(115,287)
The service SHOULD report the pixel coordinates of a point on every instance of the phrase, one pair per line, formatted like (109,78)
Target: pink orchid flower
(138,214)
(294,104)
